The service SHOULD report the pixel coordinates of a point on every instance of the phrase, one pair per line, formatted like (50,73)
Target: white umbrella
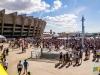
(2,38)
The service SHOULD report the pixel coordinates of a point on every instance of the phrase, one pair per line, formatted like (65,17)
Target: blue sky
(60,15)
(89,8)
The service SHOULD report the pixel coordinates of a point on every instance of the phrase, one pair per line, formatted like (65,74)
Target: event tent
(2,38)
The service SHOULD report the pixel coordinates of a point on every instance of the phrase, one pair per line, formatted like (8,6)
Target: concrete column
(30,24)
(3,16)
(39,24)
(41,27)
(23,22)
(35,24)
(44,24)
(14,22)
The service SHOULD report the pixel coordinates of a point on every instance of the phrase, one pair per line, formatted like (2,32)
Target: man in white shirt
(19,67)
(5,64)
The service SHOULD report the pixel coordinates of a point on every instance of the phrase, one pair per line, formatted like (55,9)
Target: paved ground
(45,67)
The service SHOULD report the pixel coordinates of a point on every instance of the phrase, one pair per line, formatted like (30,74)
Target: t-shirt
(25,64)
(5,63)
(19,65)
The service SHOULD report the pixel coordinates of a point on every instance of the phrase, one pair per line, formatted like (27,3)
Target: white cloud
(57,4)
(23,6)
(79,9)
(65,5)
(66,21)
(95,29)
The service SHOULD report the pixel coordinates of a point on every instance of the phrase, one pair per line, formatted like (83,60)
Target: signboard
(96,68)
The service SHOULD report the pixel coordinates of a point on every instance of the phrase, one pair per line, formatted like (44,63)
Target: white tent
(2,38)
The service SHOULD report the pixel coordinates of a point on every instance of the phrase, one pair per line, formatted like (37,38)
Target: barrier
(36,53)
(2,71)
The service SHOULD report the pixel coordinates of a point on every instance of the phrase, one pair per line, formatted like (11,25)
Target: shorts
(80,56)
(86,54)
(25,67)
(19,69)
(97,56)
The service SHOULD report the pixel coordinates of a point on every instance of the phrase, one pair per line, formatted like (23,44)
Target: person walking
(5,64)
(19,67)
(25,66)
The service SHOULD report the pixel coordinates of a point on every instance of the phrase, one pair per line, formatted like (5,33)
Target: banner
(96,68)
(2,71)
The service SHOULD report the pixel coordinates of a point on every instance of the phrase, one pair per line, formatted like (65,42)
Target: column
(3,16)
(14,22)
(38,27)
(23,22)
(41,27)
(35,25)
(30,23)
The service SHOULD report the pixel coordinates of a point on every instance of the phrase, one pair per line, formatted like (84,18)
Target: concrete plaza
(45,67)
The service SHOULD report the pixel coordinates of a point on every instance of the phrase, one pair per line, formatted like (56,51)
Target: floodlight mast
(82,31)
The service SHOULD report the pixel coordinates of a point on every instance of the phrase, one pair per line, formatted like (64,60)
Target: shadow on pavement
(56,65)
(86,59)
(62,65)
(67,65)
(40,60)
(20,52)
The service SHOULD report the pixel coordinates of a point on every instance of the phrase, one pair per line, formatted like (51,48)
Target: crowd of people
(14,44)
(91,45)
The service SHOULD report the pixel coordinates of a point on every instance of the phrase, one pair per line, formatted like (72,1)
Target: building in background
(13,25)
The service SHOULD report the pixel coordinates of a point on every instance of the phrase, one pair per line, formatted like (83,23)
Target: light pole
(83,31)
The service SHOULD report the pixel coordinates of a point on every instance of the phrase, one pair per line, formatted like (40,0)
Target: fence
(36,53)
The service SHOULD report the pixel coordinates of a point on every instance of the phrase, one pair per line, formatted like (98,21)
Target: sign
(96,68)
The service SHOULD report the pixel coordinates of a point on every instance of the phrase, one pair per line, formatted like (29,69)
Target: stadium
(13,25)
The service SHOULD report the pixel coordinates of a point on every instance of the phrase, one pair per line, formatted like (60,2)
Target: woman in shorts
(67,57)
(86,55)
(61,58)
(64,59)
(70,59)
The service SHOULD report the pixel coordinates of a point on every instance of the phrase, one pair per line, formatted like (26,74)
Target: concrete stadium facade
(13,25)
